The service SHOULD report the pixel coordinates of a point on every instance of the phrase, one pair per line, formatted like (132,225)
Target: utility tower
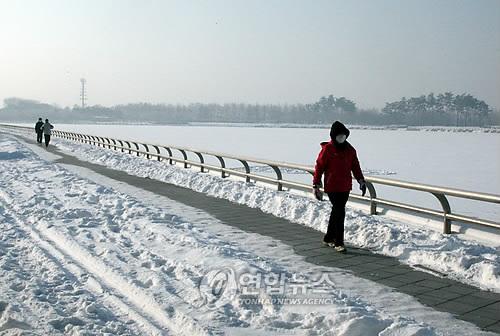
(83,93)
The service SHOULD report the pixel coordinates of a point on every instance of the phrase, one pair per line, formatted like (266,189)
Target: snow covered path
(80,256)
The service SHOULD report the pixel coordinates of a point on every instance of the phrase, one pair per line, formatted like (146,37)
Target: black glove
(362,187)
(318,194)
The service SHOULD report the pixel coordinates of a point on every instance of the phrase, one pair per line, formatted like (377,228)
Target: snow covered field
(83,255)
(469,161)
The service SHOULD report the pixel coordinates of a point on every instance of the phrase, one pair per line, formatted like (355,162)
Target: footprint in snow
(76,213)
(157,261)
(88,223)
(92,199)
(146,264)
(146,284)
(3,307)
(125,242)
(11,323)
(17,286)
(60,324)
(136,254)
(71,194)
(113,227)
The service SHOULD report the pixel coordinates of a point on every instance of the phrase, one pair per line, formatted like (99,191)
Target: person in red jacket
(336,160)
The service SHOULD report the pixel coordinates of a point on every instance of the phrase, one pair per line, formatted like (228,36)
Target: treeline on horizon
(445,109)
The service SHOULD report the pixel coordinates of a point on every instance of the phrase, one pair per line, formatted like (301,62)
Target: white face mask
(340,138)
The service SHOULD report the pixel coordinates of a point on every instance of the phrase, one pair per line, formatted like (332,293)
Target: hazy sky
(268,51)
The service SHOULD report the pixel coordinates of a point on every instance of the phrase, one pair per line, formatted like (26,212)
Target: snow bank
(464,260)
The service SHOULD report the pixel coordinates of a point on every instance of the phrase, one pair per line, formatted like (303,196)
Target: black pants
(39,136)
(335,232)
(47,139)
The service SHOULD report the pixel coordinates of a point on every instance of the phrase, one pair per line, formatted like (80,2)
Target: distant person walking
(47,131)
(38,130)
(336,160)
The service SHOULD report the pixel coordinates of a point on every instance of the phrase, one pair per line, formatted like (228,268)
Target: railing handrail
(474,195)
(480,196)
(439,192)
(282,164)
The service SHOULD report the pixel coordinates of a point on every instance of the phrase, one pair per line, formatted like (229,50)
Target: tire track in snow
(102,277)
(40,259)
(167,315)
(92,283)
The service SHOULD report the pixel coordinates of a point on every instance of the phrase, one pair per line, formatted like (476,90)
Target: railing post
(373,195)
(202,161)
(279,177)
(184,155)
(103,140)
(247,170)
(169,151)
(147,150)
(157,152)
(114,143)
(109,142)
(446,210)
(136,147)
(129,146)
(222,165)
(121,145)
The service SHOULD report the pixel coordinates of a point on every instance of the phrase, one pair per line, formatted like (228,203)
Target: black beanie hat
(338,128)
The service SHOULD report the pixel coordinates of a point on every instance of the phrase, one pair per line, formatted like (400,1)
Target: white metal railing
(165,153)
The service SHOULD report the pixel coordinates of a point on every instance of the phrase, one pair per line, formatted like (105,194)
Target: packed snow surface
(83,256)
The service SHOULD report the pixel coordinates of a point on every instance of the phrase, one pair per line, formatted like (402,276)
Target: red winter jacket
(337,166)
